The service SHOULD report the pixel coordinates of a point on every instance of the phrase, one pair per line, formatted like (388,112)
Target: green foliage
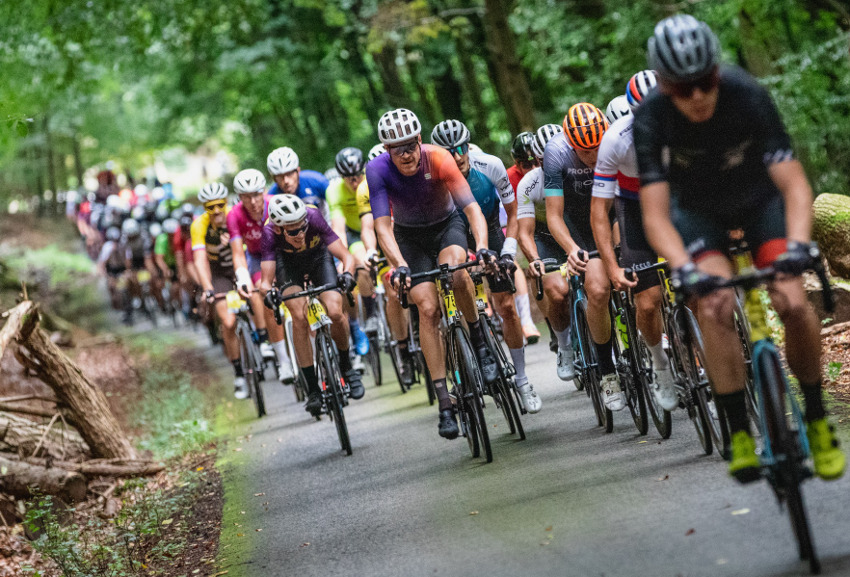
(140,540)
(833,370)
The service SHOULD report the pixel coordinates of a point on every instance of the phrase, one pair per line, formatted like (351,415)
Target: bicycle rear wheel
(373,357)
(787,467)
(331,379)
(503,389)
(630,359)
(473,385)
(422,369)
(713,415)
(249,356)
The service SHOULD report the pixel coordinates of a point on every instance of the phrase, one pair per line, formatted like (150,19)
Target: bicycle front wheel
(787,454)
(713,415)
(503,390)
(331,379)
(373,357)
(250,357)
(630,359)
(588,366)
(472,387)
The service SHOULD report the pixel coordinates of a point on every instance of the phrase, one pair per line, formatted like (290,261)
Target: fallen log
(83,402)
(105,467)
(34,411)
(25,480)
(20,319)
(835,329)
(22,436)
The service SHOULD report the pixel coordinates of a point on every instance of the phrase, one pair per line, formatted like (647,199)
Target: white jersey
(616,171)
(494,169)
(531,196)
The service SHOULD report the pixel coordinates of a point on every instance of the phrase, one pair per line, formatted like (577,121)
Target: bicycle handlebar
(551,265)
(402,290)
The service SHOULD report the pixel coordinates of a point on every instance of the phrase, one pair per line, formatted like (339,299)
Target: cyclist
(427,190)
(488,181)
(616,182)
(397,318)
(245,225)
(341,197)
(111,265)
(537,243)
(165,251)
(618,108)
(568,164)
(298,244)
(711,145)
(214,266)
(524,162)
(138,256)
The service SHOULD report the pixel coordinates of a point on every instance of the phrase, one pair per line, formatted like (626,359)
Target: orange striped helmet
(584,126)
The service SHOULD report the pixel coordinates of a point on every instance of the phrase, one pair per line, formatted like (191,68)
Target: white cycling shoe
(664,389)
(612,395)
(284,372)
(566,368)
(266,351)
(530,401)
(240,388)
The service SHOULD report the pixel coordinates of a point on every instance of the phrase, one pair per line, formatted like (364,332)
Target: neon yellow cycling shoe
(744,464)
(830,461)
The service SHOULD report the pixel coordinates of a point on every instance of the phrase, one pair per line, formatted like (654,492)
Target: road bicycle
(250,356)
(382,340)
(503,391)
(462,369)
(784,453)
(331,380)
(284,317)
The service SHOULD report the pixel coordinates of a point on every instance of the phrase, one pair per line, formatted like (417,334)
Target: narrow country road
(570,500)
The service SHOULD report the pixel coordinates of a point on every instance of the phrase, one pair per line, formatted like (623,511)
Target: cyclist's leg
(523,307)
(303,346)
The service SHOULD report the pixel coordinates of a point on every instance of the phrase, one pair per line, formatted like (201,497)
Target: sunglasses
(459,150)
(705,84)
(403,149)
(296,231)
(528,164)
(211,206)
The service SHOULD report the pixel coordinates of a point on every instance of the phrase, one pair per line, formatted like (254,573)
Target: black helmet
(349,161)
(450,133)
(682,49)
(521,148)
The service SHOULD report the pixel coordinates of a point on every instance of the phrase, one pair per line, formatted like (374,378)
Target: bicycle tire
(661,419)
(300,387)
(373,357)
(394,354)
(633,385)
(247,356)
(300,384)
(331,377)
(503,391)
(787,454)
(714,419)
(742,326)
(682,354)
(422,368)
(588,367)
(473,385)
(462,409)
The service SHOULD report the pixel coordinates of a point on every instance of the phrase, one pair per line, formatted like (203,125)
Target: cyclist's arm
(367,231)
(512,227)
(660,232)
(267,269)
(159,260)
(384,228)
(601,226)
(338,226)
(790,179)
(202,268)
(477,224)
(526,238)
(338,249)
(555,222)
(333,198)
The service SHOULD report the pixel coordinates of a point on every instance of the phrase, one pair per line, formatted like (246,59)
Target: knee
(228,322)
(647,304)
(429,313)
(507,307)
(717,309)
(597,295)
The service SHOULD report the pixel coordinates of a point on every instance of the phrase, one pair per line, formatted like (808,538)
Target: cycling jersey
(531,198)
(164,247)
(137,249)
(427,197)
(616,171)
(363,205)
(310,183)
(111,258)
(240,225)
(318,237)
(342,203)
(514,176)
(564,174)
(210,239)
(488,182)
(718,166)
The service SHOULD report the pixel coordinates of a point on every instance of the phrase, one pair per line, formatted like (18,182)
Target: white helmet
(375,152)
(542,136)
(130,227)
(286,209)
(397,126)
(248,181)
(141,190)
(618,108)
(282,160)
(212,191)
(154,229)
(170,225)
(158,193)
(639,86)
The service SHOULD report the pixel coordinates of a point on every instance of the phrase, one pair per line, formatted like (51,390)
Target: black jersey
(718,166)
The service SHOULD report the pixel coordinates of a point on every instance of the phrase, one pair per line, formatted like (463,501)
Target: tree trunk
(86,403)
(50,160)
(473,91)
(508,75)
(22,436)
(831,230)
(105,467)
(78,160)
(19,320)
(24,480)
(393,84)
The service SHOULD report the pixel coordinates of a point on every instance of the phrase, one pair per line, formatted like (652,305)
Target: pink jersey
(241,225)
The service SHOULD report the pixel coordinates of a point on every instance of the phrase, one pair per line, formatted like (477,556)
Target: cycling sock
(312,380)
(814,401)
(344,361)
(564,340)
(604,351)
(237,367)
(281,351)
(523,307)
(368,306)
(263,335)
(518,358)
(734,405)
(659,357)
(443,399)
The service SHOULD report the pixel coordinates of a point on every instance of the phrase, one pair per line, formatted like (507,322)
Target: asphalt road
(570,500)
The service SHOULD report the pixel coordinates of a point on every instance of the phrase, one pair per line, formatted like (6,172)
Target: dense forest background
(84,81)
